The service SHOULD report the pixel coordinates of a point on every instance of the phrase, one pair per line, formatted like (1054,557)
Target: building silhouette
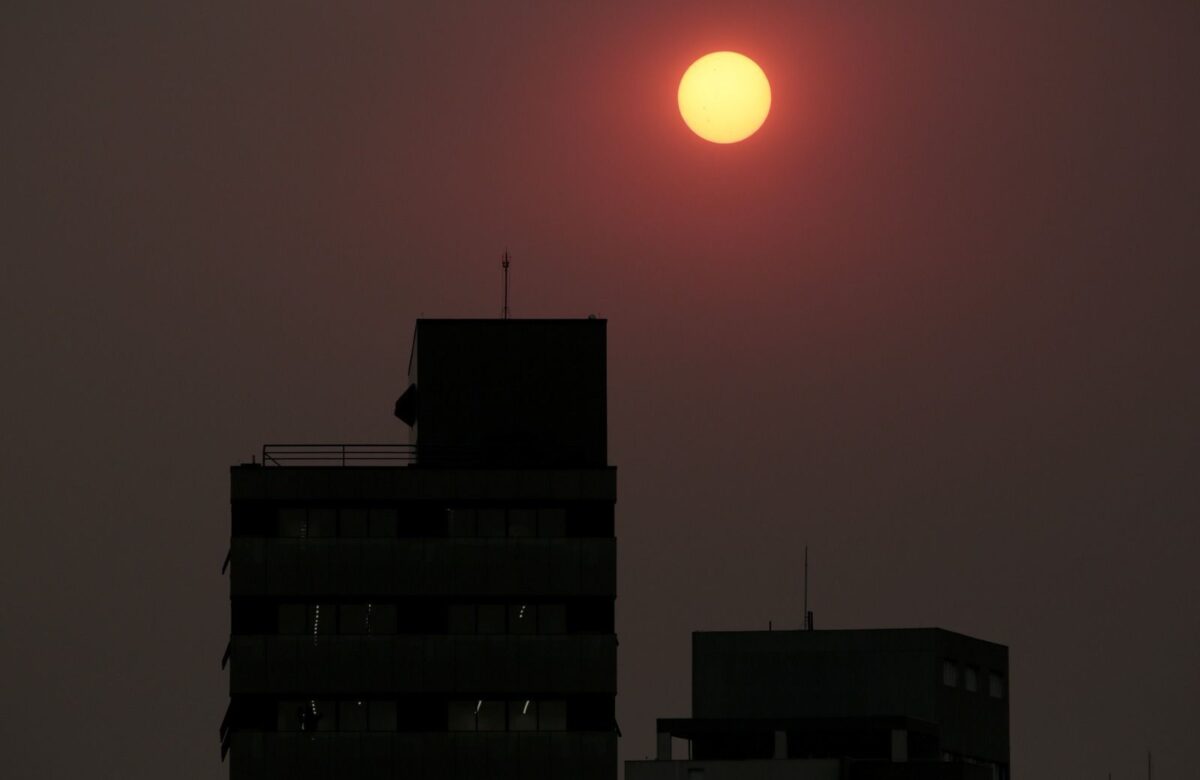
(444,608)
(888,704)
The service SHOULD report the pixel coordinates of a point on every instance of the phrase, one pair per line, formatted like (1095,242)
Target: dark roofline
(686,728)
(856,631)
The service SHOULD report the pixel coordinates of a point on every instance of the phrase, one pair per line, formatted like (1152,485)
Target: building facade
(443,608)
(888,704)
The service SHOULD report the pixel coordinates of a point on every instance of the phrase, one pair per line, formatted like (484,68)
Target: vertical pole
(806,626)
(504,263)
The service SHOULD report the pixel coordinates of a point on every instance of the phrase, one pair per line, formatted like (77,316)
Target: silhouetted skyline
(935,319)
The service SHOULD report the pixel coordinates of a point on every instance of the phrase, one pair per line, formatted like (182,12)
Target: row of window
(457,715)
(383,619)
(971,677)
(423,520)
(422,615)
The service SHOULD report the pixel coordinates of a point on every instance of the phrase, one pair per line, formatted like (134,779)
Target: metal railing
(339,454)
(509,454)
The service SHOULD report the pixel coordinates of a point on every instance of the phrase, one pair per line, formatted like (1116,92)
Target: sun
(724,97)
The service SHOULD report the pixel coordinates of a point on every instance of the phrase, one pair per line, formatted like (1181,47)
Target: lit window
(489,715)
(971,679)
(949,674)
(522,715)
(522,619)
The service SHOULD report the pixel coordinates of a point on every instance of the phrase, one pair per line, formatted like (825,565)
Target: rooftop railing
(510,454)
(339,454)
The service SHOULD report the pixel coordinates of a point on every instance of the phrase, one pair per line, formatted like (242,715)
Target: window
(353,619)
(489,715)
(381,619)
(552,716)
(552,522)
(292,618)
(491,523)
(971,679)
(522,619)
(293,523)
(310,715)
(461,619)
(995,685)
(461,522)
(552,619)
(381,715)
(949,674)
(522,522)
(490,619)
(287,715)
(478,715)
(352,716)
(462,716)
(353,523)
(322,523)
(381,523)
(522,715)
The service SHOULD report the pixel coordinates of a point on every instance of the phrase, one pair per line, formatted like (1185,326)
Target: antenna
(504,263)
(808,616)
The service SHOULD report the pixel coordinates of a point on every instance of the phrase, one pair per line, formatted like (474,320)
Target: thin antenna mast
(807,620)
(504,263)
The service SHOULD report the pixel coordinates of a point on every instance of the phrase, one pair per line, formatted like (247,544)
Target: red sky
(936,320)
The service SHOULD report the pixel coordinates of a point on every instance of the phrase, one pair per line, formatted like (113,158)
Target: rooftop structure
(441,608)
(884,703)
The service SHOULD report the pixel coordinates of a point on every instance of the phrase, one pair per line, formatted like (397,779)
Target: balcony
(436,567)
(503,664)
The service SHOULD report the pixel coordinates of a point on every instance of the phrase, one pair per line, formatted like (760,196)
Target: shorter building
(886,704)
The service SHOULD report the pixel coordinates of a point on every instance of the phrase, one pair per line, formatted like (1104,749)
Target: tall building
(443,608)
(887,704)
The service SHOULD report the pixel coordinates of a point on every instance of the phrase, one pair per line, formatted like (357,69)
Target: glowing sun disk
(724,97)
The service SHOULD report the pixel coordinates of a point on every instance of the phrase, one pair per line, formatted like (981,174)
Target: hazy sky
(938,320)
